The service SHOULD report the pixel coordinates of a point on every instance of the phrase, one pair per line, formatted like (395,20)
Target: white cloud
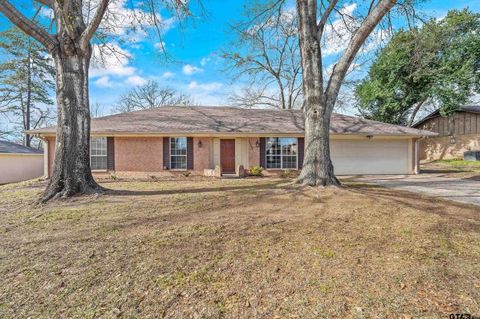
(189,69)
(376,38)
(167,75)
(337,35)
(160,46)
(135,80)
(352,68)
(210,93)
(103,82)
(46,12)
(212,86)
(204,61)
(111,60)
(130,23)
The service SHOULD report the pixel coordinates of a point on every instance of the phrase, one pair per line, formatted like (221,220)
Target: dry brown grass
(251,248)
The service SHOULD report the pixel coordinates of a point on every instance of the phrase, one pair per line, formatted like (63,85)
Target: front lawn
(457,168)
(246,248)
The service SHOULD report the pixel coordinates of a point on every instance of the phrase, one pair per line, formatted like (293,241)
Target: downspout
(45,154)
(416,170)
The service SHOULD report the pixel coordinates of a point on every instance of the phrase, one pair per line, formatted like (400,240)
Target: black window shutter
(166,153)
(110,153)
(189,152)
(263,158)
(301,151)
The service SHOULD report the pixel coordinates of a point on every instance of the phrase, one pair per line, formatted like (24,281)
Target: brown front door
(227,156)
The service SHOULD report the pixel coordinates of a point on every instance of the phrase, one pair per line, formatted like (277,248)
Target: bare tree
(151,95)
(267,56)
(320,91)
(68,40)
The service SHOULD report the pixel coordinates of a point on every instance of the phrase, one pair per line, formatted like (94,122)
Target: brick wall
(201,155)
(139,154)
(145,154)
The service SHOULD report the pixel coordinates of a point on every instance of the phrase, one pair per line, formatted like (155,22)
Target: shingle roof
(466,108)
(217,120)
(12,148)
(470,108)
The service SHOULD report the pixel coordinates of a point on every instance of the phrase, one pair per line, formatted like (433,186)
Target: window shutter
(110,153)
(166,153)
(263,158)
(189,152)
(301,151)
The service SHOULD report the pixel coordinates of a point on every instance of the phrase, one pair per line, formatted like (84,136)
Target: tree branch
(93,25)
(340,69)
(27,26)
(47,3)
(323,20)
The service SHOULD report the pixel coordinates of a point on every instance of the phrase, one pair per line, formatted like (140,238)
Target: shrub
(288,173)
(256,170)
(187,173)
(113,176)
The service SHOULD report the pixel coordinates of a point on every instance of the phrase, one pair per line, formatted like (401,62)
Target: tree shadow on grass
(259,187)
(467,216)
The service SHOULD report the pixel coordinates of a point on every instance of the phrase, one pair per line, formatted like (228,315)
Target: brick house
(202,139)
(457,133)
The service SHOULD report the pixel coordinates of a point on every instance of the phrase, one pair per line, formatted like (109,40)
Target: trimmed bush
(256,171)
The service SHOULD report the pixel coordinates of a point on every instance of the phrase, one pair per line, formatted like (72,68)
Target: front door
(227,156)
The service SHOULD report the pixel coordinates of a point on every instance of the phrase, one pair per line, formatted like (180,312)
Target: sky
(194,66)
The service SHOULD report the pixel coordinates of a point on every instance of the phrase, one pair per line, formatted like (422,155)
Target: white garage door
(352,157)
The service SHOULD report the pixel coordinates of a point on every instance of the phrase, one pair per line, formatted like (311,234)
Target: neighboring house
(19,163)
(456,134)
(200,139)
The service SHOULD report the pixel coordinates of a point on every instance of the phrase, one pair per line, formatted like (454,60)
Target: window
(178,153)
(281,152)
(98,153)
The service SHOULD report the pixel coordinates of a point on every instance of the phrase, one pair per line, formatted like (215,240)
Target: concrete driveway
(465,190)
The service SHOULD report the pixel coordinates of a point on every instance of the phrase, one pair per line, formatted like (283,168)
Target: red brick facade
(202,150)
(144,154)
(138,154)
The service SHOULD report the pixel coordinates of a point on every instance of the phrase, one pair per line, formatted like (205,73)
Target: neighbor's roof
(466,108)
(219,120)
(12,148)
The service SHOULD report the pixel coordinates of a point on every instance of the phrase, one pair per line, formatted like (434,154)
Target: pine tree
(26,83)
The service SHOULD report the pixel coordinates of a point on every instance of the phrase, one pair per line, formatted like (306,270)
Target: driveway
(465,190)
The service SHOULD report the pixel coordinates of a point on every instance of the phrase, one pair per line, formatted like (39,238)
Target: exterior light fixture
(452,139)
(369,137)
(257,143)
(200,144)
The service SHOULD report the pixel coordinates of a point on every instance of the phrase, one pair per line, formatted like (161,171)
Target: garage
(371,156)
(19,163)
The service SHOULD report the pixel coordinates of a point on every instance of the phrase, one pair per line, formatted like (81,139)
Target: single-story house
(19,163)
(221,139)
(457,133)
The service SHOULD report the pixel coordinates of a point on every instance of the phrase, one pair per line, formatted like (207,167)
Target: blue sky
(195,67)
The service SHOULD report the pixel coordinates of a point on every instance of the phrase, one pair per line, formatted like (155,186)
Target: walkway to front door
(227,156)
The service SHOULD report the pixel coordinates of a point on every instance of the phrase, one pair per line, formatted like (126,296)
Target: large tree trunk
(319,103)
(317,166)
(71,172)
(29,96)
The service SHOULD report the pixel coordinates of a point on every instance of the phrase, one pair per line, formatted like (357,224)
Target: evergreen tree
(26,83)
(437,64)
